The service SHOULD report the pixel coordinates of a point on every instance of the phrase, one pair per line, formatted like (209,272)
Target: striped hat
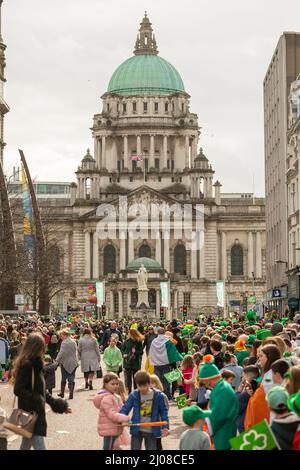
(209,370)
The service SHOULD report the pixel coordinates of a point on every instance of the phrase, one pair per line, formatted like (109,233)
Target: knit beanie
(191,414)
(209,370)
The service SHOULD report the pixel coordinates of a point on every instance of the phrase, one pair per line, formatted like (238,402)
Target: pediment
(139,201)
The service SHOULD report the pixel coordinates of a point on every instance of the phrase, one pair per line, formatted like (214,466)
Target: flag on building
(28,226)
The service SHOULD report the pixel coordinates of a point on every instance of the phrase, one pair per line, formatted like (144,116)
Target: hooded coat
(109,419)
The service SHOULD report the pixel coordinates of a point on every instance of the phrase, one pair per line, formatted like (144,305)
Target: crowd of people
(234,374)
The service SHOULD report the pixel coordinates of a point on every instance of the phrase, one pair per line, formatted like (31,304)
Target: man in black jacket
(112,330)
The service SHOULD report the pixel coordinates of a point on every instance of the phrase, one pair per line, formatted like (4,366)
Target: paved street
(78,431)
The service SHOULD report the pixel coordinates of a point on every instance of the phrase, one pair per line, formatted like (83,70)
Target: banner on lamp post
(220,286)
(100,293)
(164,292)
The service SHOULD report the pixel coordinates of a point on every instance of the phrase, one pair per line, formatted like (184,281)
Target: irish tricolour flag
(163,351)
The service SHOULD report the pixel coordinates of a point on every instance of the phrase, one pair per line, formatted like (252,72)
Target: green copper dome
(146,74)
(151,265)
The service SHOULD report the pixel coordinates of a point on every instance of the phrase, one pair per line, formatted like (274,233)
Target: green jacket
(223,413)
(112,358)
(132,360)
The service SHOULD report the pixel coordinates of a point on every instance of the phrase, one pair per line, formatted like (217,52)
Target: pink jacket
(109,418)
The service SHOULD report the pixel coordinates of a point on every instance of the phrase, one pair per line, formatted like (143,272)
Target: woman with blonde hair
(293,380)
(132,355)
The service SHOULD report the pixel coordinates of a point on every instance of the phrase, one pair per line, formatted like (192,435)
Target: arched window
(109,259)
(144,251)
(180,259)
(237,261)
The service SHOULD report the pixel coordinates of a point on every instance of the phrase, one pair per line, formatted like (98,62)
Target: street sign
(19,299)
(276,293)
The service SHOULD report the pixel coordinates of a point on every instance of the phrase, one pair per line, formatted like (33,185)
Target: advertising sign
(220,285)
(100,293)
(164,293)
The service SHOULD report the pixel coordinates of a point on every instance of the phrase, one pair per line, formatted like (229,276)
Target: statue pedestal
(143,297)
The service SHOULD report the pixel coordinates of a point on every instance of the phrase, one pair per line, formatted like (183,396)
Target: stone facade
(159,129)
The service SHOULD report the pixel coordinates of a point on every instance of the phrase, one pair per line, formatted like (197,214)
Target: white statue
(142,277)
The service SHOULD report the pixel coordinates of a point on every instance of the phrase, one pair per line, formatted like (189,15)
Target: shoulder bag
(22,422)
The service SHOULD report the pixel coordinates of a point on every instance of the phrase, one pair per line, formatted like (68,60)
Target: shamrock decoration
(181,401)
(254,441)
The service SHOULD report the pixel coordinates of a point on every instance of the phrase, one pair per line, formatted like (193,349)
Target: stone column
(157,303)
(122,253)
(167,254)
(103,156)
(175,301)
(112,304)
(138,145)
(250,255)
(87,252)
(224,256)
(130,247)
(201,245)
(187,146)
(194,149)
(97,154)
(120,303)
(165,151)
(95,256)
(209,188)
(205,186)
(197,189)
(125,145)
(158,247)
(152,153)
(67,253)
(258,256)
(194,264)
(128,300)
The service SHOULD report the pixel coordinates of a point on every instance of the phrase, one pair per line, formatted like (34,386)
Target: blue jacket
(159,411)
(3,351)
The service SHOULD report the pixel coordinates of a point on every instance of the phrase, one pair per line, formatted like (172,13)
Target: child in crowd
(3,432)
(112,356)
(148,405)
(230,363)
(247,387)
(156,384)
(108,404)
(228,376)
(279,369)
(193,382)
(216,350)
(194,438)
(49,373)
(187,367)
(285,423)
(293,380)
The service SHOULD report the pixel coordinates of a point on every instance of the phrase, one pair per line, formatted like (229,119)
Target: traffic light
(184,310)
(103,310)
(162,313)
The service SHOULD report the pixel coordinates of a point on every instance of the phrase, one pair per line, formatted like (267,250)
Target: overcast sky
(61,54)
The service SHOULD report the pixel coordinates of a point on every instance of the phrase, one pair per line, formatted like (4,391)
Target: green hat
(191,414)
(277,397)
(208,370)
(294,403)
(251,340)
(224,323)
(262,334)
(284,320)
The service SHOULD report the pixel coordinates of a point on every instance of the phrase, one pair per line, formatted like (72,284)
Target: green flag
(181,401)
(259,437)
(173,375)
